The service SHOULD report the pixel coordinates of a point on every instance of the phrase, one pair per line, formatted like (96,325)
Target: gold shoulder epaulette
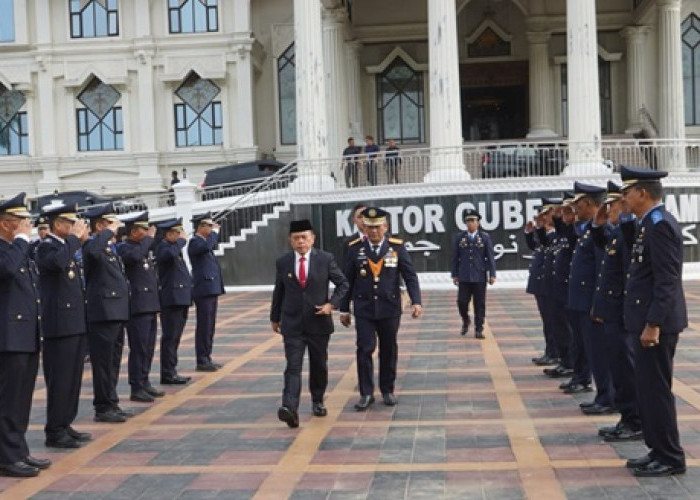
(396,241)
(354,242)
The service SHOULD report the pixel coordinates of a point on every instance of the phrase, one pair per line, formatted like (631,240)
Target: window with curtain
(690,36)
(605,98)
(7,21)
(198,120)
(193,16)
(400,104)
(14,139)
(93,18)
(286,82)
(100,126)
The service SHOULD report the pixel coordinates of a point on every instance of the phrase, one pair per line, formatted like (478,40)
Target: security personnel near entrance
(19,339)
(64,326)
(107,292)
(655,312)
(208,285)
(473,265)
(144,305)
(175,297)
(374,269)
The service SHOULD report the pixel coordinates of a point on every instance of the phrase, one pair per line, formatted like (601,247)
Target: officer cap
(105,211)
(472,214)
(138,220)
(171,225)
(374,216)
(299,226)
(15,206)
(582,190)
(614,192)
(567,197)
(68,212)
(634,175)
(202,219)
(42,222)
(548,203)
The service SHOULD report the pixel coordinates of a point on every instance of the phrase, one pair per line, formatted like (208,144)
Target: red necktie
(302,271)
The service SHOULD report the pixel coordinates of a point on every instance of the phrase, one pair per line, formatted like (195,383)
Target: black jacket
(107,288)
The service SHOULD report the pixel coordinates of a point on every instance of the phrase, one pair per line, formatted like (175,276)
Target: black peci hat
(299,226)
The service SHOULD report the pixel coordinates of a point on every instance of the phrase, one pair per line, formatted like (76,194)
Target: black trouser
(142,331)
(371,166)
(597,346)
(368,331)
(172,323)
(206,324)
(63,359)
(579,358)
(560,319)
(106,341)
(351,174)
(550,345)
(464,295)
(622,371)
(294,347)
(17,378)
(392,171)
(657,406)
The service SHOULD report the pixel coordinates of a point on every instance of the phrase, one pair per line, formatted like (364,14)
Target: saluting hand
(151,231)
(529,227)
(601,216)
(115,225)
(568,214)
(324,310)
(80,230)
(24,227)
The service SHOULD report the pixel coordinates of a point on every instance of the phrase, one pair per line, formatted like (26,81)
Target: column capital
(537,37)
(669,4)
(635,33)
(354,45)
(334,16)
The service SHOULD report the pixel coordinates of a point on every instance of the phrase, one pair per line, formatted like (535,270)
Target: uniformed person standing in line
(19,339)
(208,285)
(473,265)
(175,297)
(64,326)
(142,327)
(107,292)
(374,269)
(655,312)
(42,229)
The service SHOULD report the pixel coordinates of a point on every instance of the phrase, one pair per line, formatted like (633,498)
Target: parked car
(86,199)
(523,161)
(236,179)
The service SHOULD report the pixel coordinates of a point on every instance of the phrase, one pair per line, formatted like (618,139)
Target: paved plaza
(475,419)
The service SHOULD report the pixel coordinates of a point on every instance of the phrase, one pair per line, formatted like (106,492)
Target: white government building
(112,95)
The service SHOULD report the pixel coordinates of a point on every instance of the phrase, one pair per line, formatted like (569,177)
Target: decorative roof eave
(397,52)
(489,23)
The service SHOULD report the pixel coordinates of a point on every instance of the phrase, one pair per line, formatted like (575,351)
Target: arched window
(400,104)
(13,123)
(691,69)
(286,82)
(100,126)
(198,120)
(93,18)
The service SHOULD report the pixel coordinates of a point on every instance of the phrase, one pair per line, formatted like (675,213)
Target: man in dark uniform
(358,221)
(175,297)
(613,231)
(301,312)
(42,230)
(107,292)
(208,285)
(473,265)
(655,312)
(19,339)
(144,305)
(64,326)
(374,269)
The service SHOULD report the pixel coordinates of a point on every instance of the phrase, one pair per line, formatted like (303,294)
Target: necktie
(375,249)
(302,271)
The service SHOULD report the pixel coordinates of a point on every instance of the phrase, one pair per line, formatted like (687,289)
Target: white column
(446,163)
(336,79)
(312,131)
(636,74)
(185,197)
(354,89)
(243,114)
(671,106)
(585,156)
(541,112)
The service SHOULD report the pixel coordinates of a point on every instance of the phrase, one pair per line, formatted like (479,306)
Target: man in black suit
(175,297)
(19,339)
(144,305)
(208,285)
(64,326)
(301,312)
(655,312)
(107,293)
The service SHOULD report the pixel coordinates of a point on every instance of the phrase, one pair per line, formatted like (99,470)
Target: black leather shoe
(62,441)
(124,413)
(109,416)
(566,385)
(545,360)
(319,410)
(207,367)
(635,463)
(479,334)
(577,388)
(141,396)
(624,433)
(83,437)
(218,366)
(176,380)
(610,429)
(597,409)
(657,469)
(364,403)
(18,469)
(153,392)
(464,330)
(586,404)
(389,399)
(289,416)
(558,372)
(39,463)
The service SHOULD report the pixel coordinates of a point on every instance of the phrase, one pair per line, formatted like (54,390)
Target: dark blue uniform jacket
(141,272)
(206,272)
(472,260)
(175,278)
(107,288)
